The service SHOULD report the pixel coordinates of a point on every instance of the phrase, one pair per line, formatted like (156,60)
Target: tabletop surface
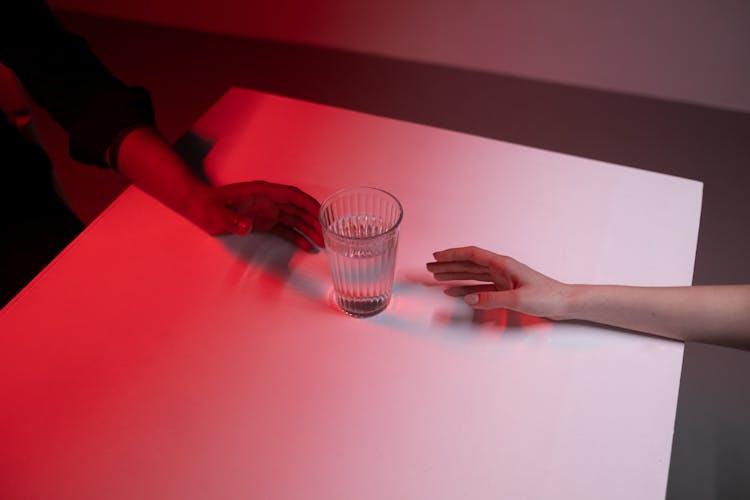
(150,360)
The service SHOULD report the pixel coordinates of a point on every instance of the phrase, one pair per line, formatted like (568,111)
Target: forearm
(150,163)
(712,314)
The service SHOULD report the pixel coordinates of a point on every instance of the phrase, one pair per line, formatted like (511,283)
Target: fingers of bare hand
(265,217)
(244,193)
(311,222)
(311,219)
(460,291)
(292,236)
(462,276)
(239,196)
(240,203)
(456,267)
(302,226)
(471,253)
(293,195)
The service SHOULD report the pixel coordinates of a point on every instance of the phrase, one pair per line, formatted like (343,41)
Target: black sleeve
(62,75)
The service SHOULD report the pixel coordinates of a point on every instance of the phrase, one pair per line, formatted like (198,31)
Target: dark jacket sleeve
(63,76)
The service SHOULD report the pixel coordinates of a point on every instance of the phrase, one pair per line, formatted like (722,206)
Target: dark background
(186,71)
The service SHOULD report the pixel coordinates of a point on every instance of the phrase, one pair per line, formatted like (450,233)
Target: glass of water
(360,229)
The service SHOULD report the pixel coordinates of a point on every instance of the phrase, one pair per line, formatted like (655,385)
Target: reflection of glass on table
(360,227)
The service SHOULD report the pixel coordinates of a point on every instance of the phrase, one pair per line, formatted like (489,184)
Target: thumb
(492,300)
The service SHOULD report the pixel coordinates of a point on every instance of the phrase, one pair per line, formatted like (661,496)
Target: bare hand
(258,206)
(509,284)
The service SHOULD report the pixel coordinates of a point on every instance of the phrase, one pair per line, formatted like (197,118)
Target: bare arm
(711,314)
(150,163)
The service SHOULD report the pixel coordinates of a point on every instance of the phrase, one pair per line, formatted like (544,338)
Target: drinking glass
(360,229)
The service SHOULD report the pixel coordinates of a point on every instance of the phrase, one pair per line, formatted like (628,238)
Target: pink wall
(665,48)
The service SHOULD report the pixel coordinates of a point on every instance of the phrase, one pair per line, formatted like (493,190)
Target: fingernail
(244,225)
(472,299)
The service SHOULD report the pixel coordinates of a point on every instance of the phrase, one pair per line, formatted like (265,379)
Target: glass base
(363,307)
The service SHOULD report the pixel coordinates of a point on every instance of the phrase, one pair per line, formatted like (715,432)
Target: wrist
(571,299)
(151,164)
(193,201)
(112,154)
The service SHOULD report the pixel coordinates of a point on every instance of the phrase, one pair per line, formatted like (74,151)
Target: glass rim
(338,192)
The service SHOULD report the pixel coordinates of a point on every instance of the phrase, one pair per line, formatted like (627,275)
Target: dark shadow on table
(193,149)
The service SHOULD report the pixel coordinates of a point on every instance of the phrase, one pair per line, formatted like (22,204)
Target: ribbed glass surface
(360,227)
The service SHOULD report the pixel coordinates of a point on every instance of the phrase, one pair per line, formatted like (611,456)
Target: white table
(152,361)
